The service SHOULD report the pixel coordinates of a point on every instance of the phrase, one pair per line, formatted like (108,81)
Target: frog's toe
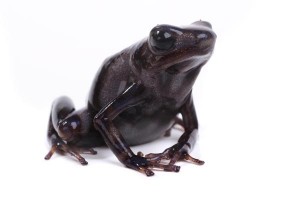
(140,163)
(87,151)
(164,167)
(171,156)
(189,158)
(64,148)
(154,162)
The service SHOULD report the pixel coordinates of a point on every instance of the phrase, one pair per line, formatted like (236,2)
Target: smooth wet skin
(136,97)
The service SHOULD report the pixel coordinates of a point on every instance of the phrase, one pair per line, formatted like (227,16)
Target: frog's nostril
(206,36)
(202,36)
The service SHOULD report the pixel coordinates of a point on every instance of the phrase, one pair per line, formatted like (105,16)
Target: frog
(138,95)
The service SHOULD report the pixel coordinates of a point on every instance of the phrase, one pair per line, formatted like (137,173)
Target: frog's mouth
(188,64)
(180,67)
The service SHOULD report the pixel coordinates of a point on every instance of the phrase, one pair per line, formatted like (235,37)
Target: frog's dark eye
(161,40)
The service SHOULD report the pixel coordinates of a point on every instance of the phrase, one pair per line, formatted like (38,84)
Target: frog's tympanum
(137,96)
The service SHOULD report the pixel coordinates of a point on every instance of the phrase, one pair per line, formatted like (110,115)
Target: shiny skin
(136,97)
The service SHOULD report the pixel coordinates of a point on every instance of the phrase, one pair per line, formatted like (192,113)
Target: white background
(247,98)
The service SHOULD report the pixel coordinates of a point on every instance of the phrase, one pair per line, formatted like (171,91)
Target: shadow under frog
(136,97)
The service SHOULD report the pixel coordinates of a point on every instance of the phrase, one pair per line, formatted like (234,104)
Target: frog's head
(175,49)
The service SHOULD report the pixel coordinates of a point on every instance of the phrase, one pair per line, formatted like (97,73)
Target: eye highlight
(161,40)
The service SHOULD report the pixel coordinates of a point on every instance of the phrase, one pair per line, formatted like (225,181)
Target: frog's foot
(145,166)
(61,147)
(172,155)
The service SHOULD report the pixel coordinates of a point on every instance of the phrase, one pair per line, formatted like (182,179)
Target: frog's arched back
(136,97)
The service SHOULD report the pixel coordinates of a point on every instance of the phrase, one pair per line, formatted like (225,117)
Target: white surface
(247,98)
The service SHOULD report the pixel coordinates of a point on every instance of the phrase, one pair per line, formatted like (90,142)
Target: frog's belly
(138,129)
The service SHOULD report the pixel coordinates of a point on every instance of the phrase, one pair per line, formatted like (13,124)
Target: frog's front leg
(103,122)
(66,128)
(180,151)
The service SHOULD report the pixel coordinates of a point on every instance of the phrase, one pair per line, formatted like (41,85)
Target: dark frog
(136,97)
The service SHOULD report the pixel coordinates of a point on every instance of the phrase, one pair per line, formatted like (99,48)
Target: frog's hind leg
(178,124)
(66,128)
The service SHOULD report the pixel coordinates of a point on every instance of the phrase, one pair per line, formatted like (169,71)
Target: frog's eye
(161,40)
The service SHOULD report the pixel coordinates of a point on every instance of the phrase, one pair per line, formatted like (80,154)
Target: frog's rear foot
(67,128)
(62,147)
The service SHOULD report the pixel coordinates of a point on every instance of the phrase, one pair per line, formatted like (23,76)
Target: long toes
(148,172)
(82,161)
(168,168)
(189,158)
(51,152)
(174,159)
(166,161)
(48,156)
(90,151)
(74,153)
(78,157)
(172,168)
(153,155)
(157,157)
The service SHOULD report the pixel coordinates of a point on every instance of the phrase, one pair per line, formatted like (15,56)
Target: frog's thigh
(68,122)
(66,127)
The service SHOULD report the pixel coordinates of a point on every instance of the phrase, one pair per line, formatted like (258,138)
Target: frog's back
(111,80)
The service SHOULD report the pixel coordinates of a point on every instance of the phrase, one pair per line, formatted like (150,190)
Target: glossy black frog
(136,97)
